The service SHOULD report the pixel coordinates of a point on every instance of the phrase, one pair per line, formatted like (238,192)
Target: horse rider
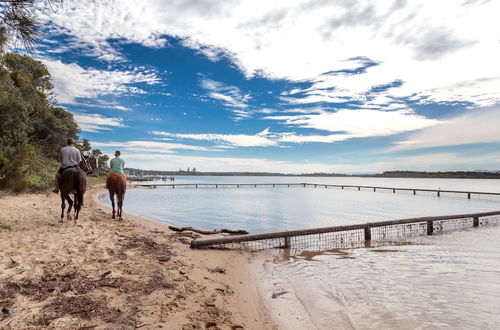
(117,164)
(69,156)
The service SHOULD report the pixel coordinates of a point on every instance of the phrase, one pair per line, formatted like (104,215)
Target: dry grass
(4,227)
(95,181)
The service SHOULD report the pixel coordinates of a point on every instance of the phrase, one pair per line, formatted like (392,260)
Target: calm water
(261,210)
(449,281)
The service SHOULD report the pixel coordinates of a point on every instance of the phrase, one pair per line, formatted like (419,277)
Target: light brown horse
(117,184)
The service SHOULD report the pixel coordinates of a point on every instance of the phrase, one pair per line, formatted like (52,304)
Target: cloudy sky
(288,86)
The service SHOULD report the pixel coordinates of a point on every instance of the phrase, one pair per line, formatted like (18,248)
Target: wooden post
(315,186)
(326,187)
(255,186)
(414,192)
(374,189)
(393,191)
(359,188)
(342,187)
(304,185)
(287,242)
(288,186)
(439,193)
(468,195)
(273,186)
(476,222)
(368,233)
(430,227)
(216,186)
(196,186)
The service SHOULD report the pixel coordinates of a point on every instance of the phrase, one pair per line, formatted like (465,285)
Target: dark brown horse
(72,181)
(117,185)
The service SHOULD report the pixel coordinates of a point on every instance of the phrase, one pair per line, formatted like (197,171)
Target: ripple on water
(449,281)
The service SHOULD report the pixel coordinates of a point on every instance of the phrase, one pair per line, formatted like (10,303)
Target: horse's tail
(79,188)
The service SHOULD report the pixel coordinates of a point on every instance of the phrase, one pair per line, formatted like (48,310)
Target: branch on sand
(208,232)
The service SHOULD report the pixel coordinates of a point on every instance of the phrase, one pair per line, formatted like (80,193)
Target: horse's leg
(112,197)
(62,207)
(70,203)
(120,204)
(77,207)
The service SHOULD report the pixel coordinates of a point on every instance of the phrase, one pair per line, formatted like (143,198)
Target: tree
(30,127)
(19,24)
(84,147)
(103,162)
(94,155)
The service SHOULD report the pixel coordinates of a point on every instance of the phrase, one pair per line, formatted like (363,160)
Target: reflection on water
(283,255)
(449,281)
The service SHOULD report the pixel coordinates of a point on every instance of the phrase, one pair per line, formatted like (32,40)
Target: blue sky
(282,86)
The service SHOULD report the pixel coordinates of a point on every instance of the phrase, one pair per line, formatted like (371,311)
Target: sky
(290,86)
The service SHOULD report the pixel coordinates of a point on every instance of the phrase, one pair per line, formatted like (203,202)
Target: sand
(109,274)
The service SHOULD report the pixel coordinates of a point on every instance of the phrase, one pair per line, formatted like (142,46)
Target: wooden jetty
(314,185)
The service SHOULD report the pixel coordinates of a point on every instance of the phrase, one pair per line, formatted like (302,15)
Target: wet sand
(108,274)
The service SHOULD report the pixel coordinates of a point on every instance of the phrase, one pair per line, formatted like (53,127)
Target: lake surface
(260,210)
(447,281)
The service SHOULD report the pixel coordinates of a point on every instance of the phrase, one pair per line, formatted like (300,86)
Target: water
(261,210)
(449,281)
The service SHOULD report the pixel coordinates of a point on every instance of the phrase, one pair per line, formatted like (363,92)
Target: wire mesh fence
(320,239)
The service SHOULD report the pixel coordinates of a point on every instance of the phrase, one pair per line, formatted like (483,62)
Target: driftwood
(209,232)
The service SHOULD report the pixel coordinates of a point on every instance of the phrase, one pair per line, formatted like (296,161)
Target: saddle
(62,169)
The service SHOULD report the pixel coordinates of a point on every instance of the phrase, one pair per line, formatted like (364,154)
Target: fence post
(359,188)
(430,227)
(342,187)
(287,242)
(468,196)
(374,189)
(368,233)
(304,185)
(393,191)
(476,222)
(414,192)
(439,193)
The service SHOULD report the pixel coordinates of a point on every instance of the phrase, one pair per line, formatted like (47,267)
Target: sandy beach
(109,274)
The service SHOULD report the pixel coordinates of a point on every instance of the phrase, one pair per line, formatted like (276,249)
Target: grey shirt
(69,156)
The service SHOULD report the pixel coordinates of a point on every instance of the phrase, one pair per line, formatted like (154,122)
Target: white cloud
(150,146)
(72,81)
(95,122)
(441,51)
(476,126)
(231,96)
(355,123)
(236,140)
(444,161)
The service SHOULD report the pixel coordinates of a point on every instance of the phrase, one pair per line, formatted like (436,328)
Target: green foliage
(31,129)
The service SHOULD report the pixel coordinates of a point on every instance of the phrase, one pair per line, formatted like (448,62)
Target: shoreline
(120,274)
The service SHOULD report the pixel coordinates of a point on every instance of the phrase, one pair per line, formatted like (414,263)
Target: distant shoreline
(131,172)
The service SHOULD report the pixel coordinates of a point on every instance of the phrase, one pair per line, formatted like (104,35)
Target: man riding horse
(69,157)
